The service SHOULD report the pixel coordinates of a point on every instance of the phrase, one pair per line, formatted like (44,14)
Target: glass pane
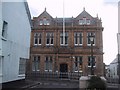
(66,40)
(61,40)
(39,40)
(80,38)
(51,40)
(41,22)
(48,41)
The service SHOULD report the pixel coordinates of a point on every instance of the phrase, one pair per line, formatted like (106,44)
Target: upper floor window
(36,63)
(49,38)
(48,63)
(4,29)
(91,60)
(78,38)
(44,21)
(84,21)
(64,38)
(37,38)
(89,42)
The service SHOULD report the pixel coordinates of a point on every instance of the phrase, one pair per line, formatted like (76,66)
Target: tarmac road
(56,85)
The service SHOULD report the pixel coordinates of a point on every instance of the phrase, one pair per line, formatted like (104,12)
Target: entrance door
(63,70)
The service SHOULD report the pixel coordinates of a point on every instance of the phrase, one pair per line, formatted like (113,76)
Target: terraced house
(63,44)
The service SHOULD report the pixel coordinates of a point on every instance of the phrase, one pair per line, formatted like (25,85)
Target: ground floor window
(22,66)
(36,63)
(48,63)
(77,63)
(91,61)
(1,61)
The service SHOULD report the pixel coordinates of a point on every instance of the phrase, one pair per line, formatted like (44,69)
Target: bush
(96,82)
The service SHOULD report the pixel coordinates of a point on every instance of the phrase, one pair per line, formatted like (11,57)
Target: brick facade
(51,55)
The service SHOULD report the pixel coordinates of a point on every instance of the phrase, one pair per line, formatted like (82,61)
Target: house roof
(68,21)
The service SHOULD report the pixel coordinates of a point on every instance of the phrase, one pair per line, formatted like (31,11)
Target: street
(61,84)
(49,84)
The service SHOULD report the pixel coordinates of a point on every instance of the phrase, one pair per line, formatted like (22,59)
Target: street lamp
(91,59)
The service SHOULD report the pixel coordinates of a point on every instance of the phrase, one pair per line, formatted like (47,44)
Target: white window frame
(37,36)
(88,21)
(22,66)
(48,63)
(81,22)
(84,20)
(1,65)
(44,21)
(78,38)
(36,63)
(88,36)
(89,58)
(41,22)
(77,60)
(50,37)
(66,37)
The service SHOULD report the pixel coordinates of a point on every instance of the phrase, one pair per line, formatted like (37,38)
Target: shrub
(96,83)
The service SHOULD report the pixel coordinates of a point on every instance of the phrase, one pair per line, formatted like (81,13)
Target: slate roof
(68,21)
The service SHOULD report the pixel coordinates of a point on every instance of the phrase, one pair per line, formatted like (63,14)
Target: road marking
(46,83)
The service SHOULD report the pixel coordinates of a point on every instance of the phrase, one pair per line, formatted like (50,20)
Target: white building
(118,38)
(119,17)
(16,28)
(112,71)
(0,43)
(118,35)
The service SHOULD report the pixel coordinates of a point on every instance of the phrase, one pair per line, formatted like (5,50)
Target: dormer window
(44,21)
(88,21)
(80,21)
(84,21)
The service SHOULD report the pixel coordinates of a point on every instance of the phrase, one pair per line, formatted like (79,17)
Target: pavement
(30,84)
(18,85)
(113,86)
(47,84)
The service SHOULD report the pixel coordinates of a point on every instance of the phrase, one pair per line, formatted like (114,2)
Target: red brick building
(51,51)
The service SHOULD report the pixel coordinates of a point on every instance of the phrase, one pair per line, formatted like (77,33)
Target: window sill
(35,70)
(75,71)
(21,75)
(49,44)
(90,66)
(48,70)
(90,44)
(4,39)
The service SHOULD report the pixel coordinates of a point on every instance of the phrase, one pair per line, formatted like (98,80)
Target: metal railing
(53,75)
(112,80)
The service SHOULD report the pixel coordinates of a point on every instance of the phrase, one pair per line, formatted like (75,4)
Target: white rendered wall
(0,43)
(17,44)
(118,35)
(113,69)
